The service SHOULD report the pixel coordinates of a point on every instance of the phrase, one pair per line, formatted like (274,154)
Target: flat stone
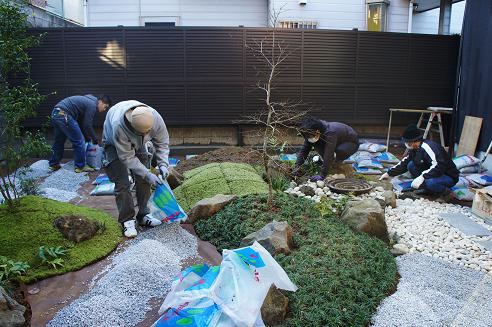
(465,224)
(274,308)
(208,207)
(275,237)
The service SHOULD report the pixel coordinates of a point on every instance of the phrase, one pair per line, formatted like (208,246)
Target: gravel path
(418,227)
(65,179)
(120,294)
(435,293)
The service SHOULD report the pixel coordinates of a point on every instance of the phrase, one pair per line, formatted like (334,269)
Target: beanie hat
(412,133)
(141,118)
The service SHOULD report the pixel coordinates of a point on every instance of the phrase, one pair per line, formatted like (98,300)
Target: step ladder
(433,120)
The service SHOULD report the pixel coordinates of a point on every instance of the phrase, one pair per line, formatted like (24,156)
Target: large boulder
(208,207)
(11,312)
(274,308)
(174,179)
(78,228)
(275,237)
(366,216)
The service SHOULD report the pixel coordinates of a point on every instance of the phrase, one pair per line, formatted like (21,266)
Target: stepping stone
(486,244)
(465,224)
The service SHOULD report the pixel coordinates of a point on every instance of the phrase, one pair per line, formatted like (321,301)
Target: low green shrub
(342,275)
(218,178)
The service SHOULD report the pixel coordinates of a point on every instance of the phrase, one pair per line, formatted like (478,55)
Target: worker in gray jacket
(129,125)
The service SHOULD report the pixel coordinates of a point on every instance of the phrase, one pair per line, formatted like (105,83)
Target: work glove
(384,176)
(153,179)
(316,178)
(417,182)
(164,172)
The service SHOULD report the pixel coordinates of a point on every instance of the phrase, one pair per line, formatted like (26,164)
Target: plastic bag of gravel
(103,189)
(465,161)
(473,169)
(372,147)
(388,157)
(462,193)
(358,156)
(365,170)
(370,163)
(480,179)
(94,155)
(163,205)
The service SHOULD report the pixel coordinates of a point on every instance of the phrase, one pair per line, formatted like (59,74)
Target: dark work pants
(436,185)
(345,150)
(118,174)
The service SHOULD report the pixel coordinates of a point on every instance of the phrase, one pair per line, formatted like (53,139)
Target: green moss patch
(342,276)
(22,233)
(218,178)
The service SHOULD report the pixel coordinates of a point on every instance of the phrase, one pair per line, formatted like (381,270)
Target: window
(377,15)
(296,24)
(159,21)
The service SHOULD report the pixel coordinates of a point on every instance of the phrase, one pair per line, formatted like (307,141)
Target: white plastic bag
(358,156)
(462,193)
(480,179)
(370,163)
(238,287)
(94,156)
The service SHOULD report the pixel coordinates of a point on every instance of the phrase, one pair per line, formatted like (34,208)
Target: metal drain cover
(349,185)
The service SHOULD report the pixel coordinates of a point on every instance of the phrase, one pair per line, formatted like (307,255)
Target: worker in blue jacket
(73,118)
(431,167)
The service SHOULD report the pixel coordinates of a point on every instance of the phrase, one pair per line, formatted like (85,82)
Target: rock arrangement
(416,226)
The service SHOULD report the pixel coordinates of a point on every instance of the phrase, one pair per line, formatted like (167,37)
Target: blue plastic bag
(203,312)
(163,205)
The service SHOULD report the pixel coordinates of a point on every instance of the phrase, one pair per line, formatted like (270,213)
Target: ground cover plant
(27,235)
(218,178)
(342,276)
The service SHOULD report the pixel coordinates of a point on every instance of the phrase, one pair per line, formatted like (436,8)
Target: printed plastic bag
(238,287)
(401,184)
(202,312)
(103,178)
(462,182)
(473,169)
(288,157)
(465,161)
(94,155)
(388,157)
(173,162)
(358,156)
(366,171)
(372,147)
(370,163)
(480,179)
(163,205)
(462,193)
(103,189)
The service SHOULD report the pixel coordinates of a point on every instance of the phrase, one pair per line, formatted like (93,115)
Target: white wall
(188,12)
(341,14)
(428,22)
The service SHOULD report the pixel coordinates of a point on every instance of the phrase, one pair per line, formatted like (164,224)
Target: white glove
(417,182)
(153,179)
(164,172)
(384,176)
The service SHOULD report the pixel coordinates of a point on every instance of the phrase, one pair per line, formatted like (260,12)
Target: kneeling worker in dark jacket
(429,164)
(331,140)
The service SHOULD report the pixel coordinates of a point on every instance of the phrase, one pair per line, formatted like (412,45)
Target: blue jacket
(82,108)
(430,160)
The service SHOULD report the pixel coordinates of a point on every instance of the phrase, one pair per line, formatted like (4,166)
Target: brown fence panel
(207,76)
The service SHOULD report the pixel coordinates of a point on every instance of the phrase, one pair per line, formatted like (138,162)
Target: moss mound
(22,233)
(342,276)
(218,178)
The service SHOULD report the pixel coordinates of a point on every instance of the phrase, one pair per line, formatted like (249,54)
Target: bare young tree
(275,116)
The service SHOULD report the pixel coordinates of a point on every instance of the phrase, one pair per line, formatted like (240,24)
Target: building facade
(377,15)
(56,13)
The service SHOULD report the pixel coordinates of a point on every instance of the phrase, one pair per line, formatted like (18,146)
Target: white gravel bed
(142,272)
(435,293)
(58,195)
(417,227)
(65,179)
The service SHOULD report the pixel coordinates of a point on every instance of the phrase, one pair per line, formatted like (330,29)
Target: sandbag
(480,179)
(462,193)
(402,184)
(103,189)
(163,205)
(462,182)
(101,179)
(366,171)
(370,163)
(465,161)
(358,156)
(372,147)
(387,157)
(473,169)
(94,155)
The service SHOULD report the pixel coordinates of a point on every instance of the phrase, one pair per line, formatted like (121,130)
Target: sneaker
(129,229)
(55,167)
(85,169)
(148,221)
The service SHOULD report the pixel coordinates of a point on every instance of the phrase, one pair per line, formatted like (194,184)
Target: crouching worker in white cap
(129,125)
